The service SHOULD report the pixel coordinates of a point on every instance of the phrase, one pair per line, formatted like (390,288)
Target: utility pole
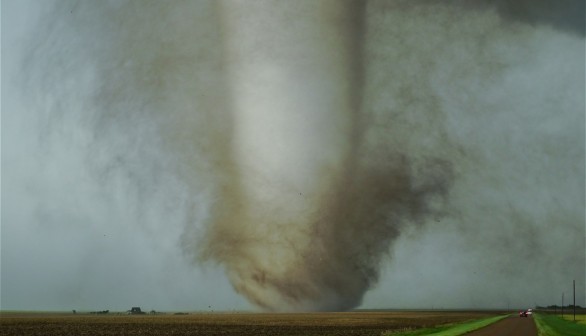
(562,304)
(574,285)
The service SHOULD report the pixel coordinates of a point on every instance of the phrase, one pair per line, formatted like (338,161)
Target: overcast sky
(471,113)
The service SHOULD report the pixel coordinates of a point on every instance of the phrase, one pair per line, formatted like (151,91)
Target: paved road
(510,326)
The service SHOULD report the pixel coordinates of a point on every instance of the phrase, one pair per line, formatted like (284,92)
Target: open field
(347,323)
(555,325)
(568,314)
(580,318)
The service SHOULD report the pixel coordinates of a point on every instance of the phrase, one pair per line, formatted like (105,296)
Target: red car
(523,314)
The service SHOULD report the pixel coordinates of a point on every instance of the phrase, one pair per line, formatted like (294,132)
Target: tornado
(303,219)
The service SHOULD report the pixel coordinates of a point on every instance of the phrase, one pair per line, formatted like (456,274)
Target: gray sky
(112,121)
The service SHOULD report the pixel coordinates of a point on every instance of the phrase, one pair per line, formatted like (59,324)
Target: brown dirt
(324,324)
(511,326)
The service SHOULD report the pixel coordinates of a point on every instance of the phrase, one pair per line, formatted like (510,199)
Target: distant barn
(136,311)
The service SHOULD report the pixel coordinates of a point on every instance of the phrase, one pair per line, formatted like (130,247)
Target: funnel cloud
(325,155)
(305,216)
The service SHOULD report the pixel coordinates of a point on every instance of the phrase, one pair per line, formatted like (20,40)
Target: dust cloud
(297,144)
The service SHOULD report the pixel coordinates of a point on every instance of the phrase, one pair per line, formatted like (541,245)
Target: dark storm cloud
(566,15)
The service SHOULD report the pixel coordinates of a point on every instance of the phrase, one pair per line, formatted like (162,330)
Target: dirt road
(510,326)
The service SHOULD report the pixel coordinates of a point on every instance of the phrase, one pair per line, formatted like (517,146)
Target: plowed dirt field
(307,324)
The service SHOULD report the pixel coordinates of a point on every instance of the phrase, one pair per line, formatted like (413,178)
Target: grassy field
(348,323)
(555,325)
(580,318)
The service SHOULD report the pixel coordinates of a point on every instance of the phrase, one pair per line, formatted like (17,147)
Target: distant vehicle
(526,313)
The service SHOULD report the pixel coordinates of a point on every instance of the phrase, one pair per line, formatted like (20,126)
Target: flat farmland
(345,323)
